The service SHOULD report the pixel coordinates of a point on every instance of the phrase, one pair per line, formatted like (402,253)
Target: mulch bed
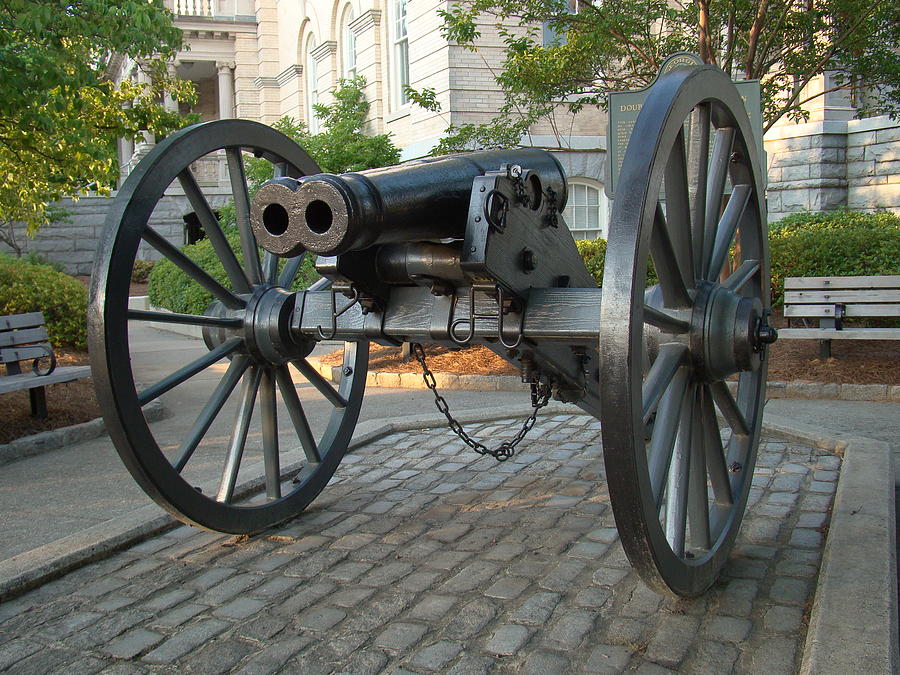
(68,403)
(853,362)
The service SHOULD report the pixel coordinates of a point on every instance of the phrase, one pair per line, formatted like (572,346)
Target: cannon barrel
(330,214)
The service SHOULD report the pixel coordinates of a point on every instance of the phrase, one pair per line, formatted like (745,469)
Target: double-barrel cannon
(461,250)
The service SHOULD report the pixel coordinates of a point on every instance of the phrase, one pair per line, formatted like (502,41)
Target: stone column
(143,146)
(170,103)
(226,89)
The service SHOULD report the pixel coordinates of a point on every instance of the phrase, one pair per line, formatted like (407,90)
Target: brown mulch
(68,403)
(852,362)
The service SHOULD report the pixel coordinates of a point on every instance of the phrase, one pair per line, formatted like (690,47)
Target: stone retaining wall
(824,165)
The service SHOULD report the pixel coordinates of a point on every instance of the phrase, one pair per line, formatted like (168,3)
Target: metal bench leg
(38,398)
(824,349)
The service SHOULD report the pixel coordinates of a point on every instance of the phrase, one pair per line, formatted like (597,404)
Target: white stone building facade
(265,59)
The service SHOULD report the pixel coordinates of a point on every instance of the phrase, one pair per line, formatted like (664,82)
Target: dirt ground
(852,362)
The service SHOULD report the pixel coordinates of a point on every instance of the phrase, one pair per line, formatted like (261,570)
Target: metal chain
(540,396)
(552,208)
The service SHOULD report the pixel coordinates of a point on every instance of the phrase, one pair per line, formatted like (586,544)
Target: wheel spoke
(677,487)
(729,408)
(269,413)
(239,435)
(188,319)
(192,269)
(715,188)
(188,371)
(324,386)
(242,213)
(210,225)
(715,453)
(665,428)
(298,417)
(270,267)
(212,408)
(734,213)
(698,500)
(667,264)
(663,321)
(699,167)
(289,272)
(747,270)
(670,359)
(678,210)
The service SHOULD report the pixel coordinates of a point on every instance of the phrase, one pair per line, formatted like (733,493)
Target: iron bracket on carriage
(461,250)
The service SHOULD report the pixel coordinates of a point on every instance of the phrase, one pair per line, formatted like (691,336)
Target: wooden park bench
(831,300)
(23,337)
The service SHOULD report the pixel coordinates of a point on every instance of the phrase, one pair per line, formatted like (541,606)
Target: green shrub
(593,252)
(833,243)
(26,287)
(172,289)
(141,270)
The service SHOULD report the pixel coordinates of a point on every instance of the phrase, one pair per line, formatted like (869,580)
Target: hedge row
(839,243)
(172,289)
(28,287)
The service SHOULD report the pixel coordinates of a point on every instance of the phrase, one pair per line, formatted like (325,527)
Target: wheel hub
(266,327)
(728,332)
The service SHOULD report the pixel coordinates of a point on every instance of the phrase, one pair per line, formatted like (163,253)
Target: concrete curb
(854,617)
(808,390)
(45,441)
(853,625)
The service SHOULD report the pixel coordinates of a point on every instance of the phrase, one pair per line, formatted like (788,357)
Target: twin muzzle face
(290,216)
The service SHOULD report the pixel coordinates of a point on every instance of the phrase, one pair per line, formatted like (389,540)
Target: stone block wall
(824,165)
(73,244)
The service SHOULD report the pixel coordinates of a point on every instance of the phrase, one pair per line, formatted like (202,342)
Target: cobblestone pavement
(422,557)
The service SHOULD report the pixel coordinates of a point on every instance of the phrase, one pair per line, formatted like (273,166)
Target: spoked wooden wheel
(668,349)
(246,337)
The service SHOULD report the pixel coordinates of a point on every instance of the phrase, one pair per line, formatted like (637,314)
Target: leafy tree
(595,47)
(341,146)
(60,113)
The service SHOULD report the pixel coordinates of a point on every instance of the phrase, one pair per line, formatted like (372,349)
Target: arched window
(348,45)
(586,209)
(312,87)
(400,53)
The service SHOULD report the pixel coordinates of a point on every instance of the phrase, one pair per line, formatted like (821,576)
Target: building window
(548,31)
(348,44)
(312,87)
(401,53)
(586,210)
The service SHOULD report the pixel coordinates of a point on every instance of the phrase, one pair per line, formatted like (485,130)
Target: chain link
(540,396)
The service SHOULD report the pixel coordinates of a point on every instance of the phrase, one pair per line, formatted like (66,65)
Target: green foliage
(141,270)
(833,243)
(593,252)
(172,289)
(611,46)
(27,287)
(60,114)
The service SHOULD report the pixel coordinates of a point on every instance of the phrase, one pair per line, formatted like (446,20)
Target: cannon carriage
(461,250)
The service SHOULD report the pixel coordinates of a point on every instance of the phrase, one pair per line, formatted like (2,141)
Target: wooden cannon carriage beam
(464,250)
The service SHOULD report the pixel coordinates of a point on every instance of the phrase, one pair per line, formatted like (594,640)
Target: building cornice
(365,21)
(289,74)
(324,50)
(266,82)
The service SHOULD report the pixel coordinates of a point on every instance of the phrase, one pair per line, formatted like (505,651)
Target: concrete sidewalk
(72,505)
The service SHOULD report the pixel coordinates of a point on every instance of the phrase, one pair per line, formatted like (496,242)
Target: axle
(420,200)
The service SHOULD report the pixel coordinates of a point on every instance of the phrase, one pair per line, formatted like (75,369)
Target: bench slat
(13,354)
(834,334)
(11,383)
(883,281)
(24,336)
(855,310)
(842,296)
(29,320)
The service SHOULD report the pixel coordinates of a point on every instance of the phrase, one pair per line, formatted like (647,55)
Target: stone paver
(422,558)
